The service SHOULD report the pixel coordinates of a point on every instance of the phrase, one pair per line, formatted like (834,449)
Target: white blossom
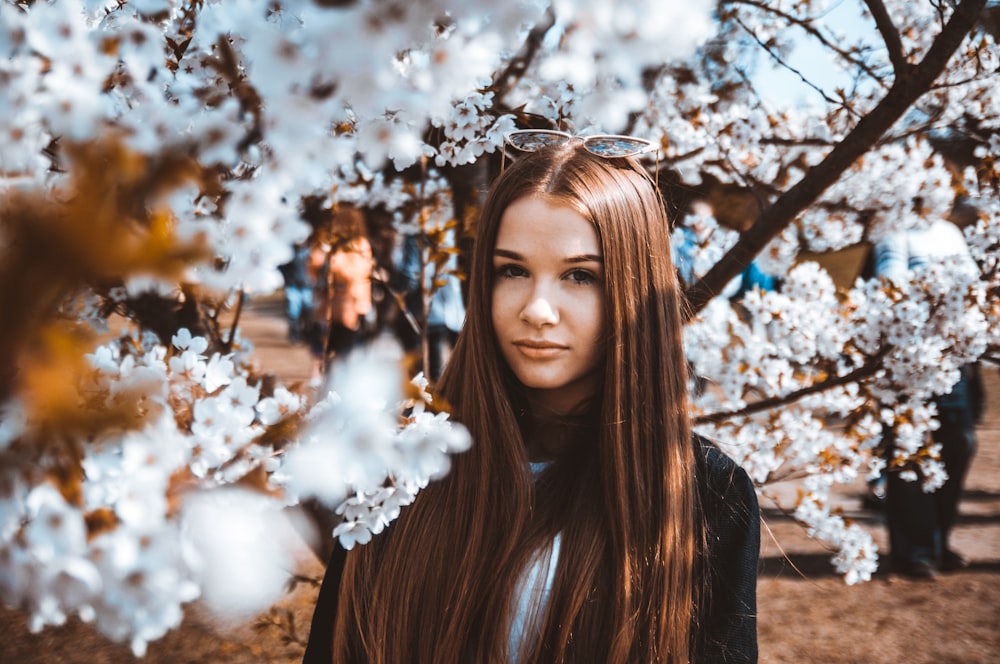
(276,104)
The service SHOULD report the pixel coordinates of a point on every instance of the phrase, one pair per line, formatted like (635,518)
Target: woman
(586,524)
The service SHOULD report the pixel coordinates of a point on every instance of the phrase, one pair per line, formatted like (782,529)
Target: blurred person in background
(920,523)
(341,267)
(298,292)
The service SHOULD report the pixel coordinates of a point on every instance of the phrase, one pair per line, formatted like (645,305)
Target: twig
(236,321)
(808,28)
(518,65)
(867,369)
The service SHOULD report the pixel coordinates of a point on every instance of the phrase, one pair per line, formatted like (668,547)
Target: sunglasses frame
(552,137)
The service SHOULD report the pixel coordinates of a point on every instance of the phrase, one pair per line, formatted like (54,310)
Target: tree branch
(240,299)
(873,364)
(902,95)
(890,35)
(519,64)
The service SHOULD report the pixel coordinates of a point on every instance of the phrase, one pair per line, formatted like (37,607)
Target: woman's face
(548,301)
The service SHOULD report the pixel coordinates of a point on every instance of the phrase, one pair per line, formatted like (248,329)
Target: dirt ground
(806,613)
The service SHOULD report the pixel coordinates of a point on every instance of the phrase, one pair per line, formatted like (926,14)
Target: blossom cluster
(295,98)
(884,350)
(354,455)
(158,522)
(905,343)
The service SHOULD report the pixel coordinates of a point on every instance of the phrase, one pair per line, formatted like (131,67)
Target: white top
(532,598)
(532,594)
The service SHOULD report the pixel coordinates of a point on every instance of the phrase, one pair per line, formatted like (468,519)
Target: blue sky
(813,61)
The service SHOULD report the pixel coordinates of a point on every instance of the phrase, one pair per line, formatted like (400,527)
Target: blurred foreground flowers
(139,474)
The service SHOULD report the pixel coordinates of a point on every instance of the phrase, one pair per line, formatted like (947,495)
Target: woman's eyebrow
(507,253)
(582,258)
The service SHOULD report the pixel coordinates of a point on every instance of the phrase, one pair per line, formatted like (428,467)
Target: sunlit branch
(425,296)
(400,300)
(901,96)
(250,101)
(873,364)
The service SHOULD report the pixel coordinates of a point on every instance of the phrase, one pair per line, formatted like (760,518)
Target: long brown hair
(438,585)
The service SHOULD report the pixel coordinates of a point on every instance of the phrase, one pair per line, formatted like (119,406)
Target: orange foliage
(108,222)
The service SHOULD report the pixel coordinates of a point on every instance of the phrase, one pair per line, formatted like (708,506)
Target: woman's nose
(540,311)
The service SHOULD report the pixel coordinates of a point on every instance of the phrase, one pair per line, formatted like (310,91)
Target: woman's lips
(539,350)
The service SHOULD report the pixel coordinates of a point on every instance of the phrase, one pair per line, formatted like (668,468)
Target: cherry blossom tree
(159,160)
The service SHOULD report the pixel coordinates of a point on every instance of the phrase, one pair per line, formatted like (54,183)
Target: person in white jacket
(920,523)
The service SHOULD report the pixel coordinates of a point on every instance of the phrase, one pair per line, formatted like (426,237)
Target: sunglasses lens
(615,146)
(603,145)
(529,141)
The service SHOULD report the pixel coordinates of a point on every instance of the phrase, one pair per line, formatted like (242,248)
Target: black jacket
(727,633)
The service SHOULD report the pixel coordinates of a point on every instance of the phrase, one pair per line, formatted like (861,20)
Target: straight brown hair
(438,585)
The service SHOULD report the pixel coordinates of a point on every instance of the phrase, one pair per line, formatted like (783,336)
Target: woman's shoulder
(715,465)
(721,481)
(732,537)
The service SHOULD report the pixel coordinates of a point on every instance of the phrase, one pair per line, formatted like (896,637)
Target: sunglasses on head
(609,146)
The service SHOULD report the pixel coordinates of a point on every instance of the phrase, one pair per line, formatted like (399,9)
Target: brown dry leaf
(182,481)
(281,432)
(114,223)
(109,223)
(99,521)
(66,474)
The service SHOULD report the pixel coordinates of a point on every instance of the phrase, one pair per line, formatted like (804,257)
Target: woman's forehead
(535,223)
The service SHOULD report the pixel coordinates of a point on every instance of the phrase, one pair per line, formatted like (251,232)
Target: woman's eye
(582,277)
(510,271)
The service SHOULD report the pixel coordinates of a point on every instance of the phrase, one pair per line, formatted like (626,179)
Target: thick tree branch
(873,364)
(890,35)
(901,96)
